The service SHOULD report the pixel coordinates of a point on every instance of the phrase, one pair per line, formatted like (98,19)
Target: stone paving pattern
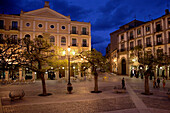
(82,101)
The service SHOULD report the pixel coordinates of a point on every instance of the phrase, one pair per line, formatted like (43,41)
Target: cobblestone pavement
(82,101)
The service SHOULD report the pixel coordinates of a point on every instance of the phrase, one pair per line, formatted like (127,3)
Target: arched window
(63,41)
(26,38)
(40,36)
(52,40)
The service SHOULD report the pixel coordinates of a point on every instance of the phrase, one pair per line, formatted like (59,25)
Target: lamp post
(69,85)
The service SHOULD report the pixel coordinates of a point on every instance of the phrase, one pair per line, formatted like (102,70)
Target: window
(131,45)
(168,37)
(14,39)
(159,52)
(139,42)
(158,27)
(74,30)
(1,24)
(14,25)
(52,40)
(84,32)
(131,35)
(138,31)
(159,39)
(63,27)
(39,25)
(27,37)
(63,41)
(27,24)
(122,37)
(148,41)
(40,36)
(147,28)
(84,43)
(169,21)
(1,39)
(74,42)
(122,47)
(52,26)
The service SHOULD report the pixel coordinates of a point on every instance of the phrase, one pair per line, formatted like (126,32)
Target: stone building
(152,36)
(62,31)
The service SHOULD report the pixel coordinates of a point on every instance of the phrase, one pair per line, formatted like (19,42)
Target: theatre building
(62,32)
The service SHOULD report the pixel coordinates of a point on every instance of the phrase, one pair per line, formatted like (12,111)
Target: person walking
(154,83)
(158,82)
(123,83)
(163,82)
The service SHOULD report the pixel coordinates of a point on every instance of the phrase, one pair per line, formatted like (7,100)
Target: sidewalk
(83,101)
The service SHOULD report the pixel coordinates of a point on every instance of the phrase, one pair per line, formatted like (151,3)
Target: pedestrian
(123,83)
(158,82)
(163,82)
(154,83)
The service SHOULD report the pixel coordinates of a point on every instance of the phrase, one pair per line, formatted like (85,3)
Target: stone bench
(118,89)
(17,94)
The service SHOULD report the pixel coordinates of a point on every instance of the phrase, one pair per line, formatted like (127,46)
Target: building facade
(62,31)
(152,37)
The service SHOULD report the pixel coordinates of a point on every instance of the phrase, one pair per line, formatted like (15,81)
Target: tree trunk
(42,79)
(146,85)
(95,81)
(43,84)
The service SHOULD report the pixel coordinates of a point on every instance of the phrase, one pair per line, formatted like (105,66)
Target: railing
(131,37)
(159,43)
(73,32)
(148,45)
(2,27)
(158,29)
(76,44)
(85,33)
(121,50)
(84,45)
(131,48)
(14,28)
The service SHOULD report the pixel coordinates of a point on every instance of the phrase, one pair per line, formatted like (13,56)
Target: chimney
(46,4)
(166,11)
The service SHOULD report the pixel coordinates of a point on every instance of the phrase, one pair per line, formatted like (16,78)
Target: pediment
(47,13)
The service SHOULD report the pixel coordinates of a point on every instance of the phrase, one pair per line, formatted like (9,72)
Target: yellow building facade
(62,31)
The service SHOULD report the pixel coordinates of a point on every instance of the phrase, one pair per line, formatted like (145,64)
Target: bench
(18,94)
(118,89)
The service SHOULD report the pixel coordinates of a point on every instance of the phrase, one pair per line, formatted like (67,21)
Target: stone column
(20,73)
(23,74)
(6,75)
(79,70)
(57,75)
(46,75)
(33,75)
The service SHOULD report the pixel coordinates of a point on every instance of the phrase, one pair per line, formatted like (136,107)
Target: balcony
(85,33)
(2,27)
(73,32)
(131,37)
(148,45)
(74,44)
(121,50)
(159,43)
(158,29)
(84,45)
(131,48)
(14,28)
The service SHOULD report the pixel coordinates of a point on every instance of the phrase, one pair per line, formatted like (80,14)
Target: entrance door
(123,67)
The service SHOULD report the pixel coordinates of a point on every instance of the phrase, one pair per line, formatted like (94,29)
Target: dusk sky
(105,16)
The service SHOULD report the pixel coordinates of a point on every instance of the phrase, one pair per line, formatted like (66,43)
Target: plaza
(82,100)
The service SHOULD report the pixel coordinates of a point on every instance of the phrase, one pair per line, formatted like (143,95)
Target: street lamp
(69,85)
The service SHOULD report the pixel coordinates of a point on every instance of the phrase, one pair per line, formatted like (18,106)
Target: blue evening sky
(105,15)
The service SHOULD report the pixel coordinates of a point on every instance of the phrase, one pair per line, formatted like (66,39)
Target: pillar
(33,75)
(57,75)
(23,74)
(20,73)
(6,75)
(46,75)
(79,71)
